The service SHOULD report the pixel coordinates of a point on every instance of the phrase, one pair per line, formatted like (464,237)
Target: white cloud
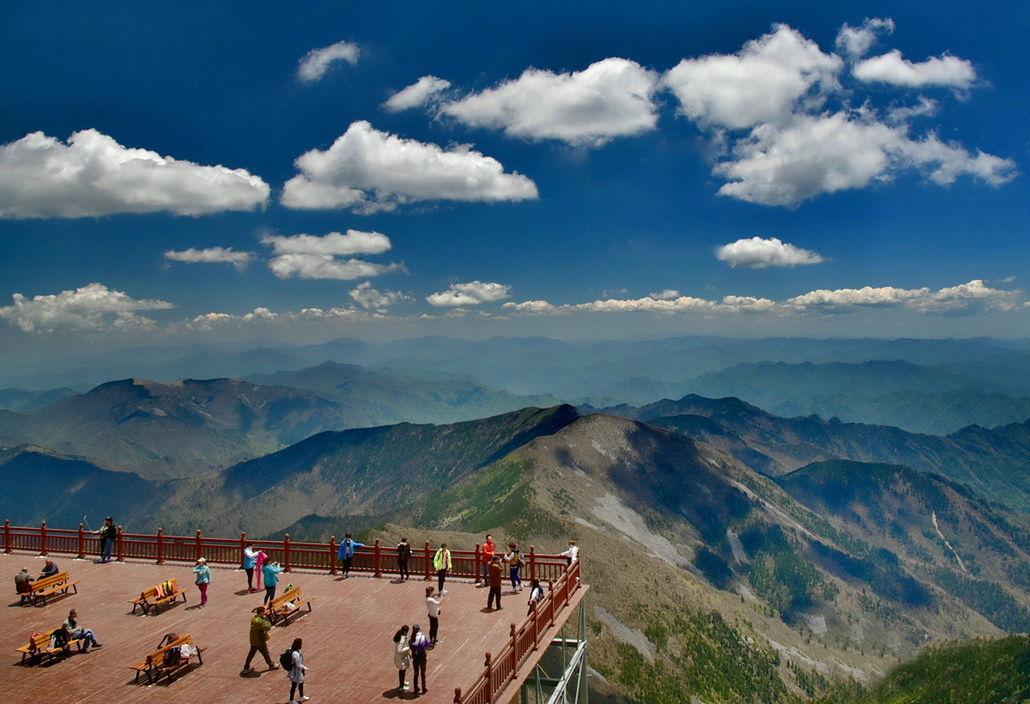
(610,98)
(316,62)
(321,266)
(854,42)
(369,298)
(93,176)
(212,255)
(469,294)
(211,321)
(93,307)
(784,165)
(903,114)
(335,243)
(758,253)
(948,71)
(422,92)
(765,81)
(964,299)
(649,304)
(666,295)
(368,170)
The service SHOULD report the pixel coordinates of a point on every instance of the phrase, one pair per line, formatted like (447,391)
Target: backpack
(286,659)
(516,558)
(59,639)
(403,551)
(168,639)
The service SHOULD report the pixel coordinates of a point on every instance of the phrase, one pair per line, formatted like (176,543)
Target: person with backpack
(402,656)
(536,595)
(442,565)
(297,669)
(346,553)
(403,555)
(203,579)
(259,636)
(514,560)
(73,631)
(418,644)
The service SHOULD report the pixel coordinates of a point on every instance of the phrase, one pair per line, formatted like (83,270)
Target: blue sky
(213,172)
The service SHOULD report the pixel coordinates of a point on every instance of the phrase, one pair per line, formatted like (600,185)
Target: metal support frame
(570,687)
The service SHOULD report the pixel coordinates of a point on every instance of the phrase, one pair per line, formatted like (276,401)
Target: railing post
(489,678)
(243,545)
(160,546)
(119,545)
(514,653)
(332,555)
(286,551)
(457,695)
(479,567)
(536,629)
(532,563)
(42,538)
(378,561)
(7,536)
(429,563)
(199,554)
(82,543)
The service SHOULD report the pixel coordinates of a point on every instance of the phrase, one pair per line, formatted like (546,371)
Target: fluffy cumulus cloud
(765,81)
(92,175)
(368,170)
(854,42)
(470,294)
(424,91)
(758,253)
(786,164)
(93,307)
(610,98)
(780,114)
(948,71)
(322,266)
(371,299)
(316,62)
(335,243)
(211,255)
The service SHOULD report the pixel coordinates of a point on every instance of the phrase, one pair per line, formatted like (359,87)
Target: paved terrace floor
(348,637)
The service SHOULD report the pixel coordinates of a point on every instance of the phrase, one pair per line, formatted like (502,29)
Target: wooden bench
(39,647)
(156,595)
(154,665)
(286,605)
(48,586)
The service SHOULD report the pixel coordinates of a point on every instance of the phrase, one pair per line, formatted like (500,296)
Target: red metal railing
(503,668)
(379,560)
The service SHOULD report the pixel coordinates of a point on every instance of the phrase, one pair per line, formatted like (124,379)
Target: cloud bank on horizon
(779,123)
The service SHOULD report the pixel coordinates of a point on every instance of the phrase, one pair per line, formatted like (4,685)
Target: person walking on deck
(259,636)
(296,673)
(418,644)
(203,579)
(514,560)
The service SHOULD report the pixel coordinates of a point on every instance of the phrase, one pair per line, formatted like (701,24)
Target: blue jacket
(269,572)
(347,549)
(203,574)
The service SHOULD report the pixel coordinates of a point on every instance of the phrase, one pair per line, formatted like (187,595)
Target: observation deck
(348,636)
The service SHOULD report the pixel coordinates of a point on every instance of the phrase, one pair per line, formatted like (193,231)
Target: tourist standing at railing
(496,579)
(107,533)
(488,554)
(572,554)
(203,579)
(433,607)
(346,553)
(250,556)
(442,565)
(403,555)
(536,595)
(418,644)
(259,636)
(514,559)
(402,657)
(271,571)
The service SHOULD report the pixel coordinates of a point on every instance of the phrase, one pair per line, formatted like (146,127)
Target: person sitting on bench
(23,585)
(71,627)
(49,569)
